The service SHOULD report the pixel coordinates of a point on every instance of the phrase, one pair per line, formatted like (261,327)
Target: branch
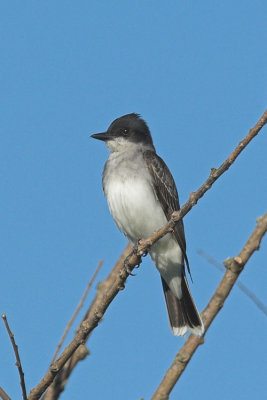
(80,305)
(195,196)
(18,362)
(234,267)
(59,383)
(239,284)
(114,286)
(4,395)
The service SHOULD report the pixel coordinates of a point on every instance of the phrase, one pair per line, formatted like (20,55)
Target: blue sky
(196,72)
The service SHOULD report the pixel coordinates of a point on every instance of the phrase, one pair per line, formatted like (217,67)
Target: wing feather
(166,192)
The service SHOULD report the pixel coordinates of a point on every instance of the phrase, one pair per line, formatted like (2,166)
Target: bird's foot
(128,266)
(142,253)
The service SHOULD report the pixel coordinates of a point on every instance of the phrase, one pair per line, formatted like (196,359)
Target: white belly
(134,208)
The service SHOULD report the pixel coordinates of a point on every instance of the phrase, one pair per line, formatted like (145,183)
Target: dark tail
(183,314)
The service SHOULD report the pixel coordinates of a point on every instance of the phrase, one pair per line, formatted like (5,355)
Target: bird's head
(126,132)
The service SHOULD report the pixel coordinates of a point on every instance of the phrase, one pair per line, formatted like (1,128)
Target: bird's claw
(143,253)
(128,270)
(127,266)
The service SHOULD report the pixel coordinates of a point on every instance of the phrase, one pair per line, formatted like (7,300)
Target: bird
(142,195)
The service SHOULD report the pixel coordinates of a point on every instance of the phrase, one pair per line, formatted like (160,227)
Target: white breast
(130,195)
(134,206)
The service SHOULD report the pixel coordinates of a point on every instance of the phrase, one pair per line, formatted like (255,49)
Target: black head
(129,128)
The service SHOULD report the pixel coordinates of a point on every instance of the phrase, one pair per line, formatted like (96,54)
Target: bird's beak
(102,136)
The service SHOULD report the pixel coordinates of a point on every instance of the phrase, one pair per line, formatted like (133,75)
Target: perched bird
(141,196)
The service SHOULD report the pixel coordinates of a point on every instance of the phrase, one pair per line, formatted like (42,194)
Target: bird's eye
(125,131)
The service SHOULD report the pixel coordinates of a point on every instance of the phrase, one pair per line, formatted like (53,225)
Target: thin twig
(18,362)
(4,395)
(109,292)
(239,284)
(76,312)
(234,267)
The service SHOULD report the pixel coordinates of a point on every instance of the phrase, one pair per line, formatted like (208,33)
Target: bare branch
(59,383)
(4,395)
(195,196)
(80,305)
(234,267)
(241,286)
(111,290)
(18,362)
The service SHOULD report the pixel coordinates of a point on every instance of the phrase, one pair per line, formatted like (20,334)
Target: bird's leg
(127,266)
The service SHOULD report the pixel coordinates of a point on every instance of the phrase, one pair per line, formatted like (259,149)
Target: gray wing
(166,192)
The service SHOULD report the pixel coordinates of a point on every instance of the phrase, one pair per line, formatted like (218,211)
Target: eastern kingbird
(142,195)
